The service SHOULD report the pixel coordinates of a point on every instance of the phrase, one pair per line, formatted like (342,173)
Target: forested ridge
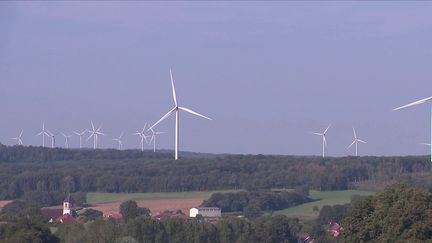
(34,169)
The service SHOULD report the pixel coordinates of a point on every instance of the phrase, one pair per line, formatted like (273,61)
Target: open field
(99,197)
(305,210)
(4,203)
(155,205)
(156,202)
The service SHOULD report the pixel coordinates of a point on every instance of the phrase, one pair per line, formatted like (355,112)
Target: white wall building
(207,212)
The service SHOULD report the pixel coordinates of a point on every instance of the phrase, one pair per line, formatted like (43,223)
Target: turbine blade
(327,128)
(164,117)
(355,134)
(316,133)
(351,144)
(92,125)
(361,141)
(418,102)
(173,89)
(193,112)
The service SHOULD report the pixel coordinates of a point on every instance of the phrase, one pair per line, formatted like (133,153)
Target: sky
(267,73)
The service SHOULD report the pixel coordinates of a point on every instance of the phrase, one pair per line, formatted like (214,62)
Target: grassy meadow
(305,211)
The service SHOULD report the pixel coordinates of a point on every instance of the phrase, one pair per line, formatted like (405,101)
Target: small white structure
(67,205)
(207,212)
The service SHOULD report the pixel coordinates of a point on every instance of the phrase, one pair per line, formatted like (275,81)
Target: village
(68,213)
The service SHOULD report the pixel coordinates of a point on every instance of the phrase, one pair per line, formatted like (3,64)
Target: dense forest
(53,172)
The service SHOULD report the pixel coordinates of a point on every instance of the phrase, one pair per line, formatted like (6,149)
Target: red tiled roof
(67,219)
(52,213)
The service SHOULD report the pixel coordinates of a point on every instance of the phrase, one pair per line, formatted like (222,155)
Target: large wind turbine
(419,102)
(324,141)
(143,136)
(356,141)
(67,137)
(19,138)
(176,110)
(43,133)
(120,144)
(52,135)
(80,136)
(153,138)
(95,133)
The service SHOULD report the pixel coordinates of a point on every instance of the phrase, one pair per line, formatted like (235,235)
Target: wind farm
(251,122)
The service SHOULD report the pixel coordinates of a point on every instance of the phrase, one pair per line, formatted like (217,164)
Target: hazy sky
(268,73)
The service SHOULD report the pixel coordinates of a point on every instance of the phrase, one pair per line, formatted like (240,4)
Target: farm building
(207,212)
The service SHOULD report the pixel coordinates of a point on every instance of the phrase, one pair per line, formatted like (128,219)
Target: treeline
(26,170)
(264,200)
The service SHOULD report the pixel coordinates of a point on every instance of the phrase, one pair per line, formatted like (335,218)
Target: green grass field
(97,197)
(305,211)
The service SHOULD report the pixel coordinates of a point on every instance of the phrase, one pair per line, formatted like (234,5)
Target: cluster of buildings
(67,214)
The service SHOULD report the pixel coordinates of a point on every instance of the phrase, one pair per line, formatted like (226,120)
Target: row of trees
(265,200)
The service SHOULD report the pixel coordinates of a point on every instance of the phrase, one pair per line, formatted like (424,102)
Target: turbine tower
(143,136)
(176,110)
(19,138)
(419,102)
(153,138)
(324,141)
(67,137)
(43,133)
(95,133)
(80,136)
(52,136)
(356,141)
(120,144)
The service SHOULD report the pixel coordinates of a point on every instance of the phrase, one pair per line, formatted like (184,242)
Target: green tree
(26,231)
(92,214)
(130,210)
(399,213)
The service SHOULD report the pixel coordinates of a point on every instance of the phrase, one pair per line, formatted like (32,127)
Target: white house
(207,212)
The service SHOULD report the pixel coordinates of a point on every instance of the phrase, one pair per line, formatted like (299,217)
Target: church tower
(67,205)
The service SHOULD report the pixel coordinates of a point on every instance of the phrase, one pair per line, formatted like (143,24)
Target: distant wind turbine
(419,102)
(176,111)
(153,138)
(143,136)
(120,144)
(95,133)
(324,141)
(52,135)
(356,141)
(43,133)
(67,137)
(80,136)
(19,138)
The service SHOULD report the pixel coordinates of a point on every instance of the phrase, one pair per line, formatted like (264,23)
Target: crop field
(99,197)
(305,211)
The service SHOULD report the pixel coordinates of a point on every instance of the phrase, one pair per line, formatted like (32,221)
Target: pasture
(305,211)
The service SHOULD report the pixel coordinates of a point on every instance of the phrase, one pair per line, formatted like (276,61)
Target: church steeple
(67,205)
